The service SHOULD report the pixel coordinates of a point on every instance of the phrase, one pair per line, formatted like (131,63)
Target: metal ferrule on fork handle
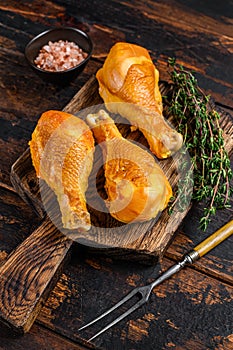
(191,257)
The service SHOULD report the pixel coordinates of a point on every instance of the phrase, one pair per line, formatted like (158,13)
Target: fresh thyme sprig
(203,138)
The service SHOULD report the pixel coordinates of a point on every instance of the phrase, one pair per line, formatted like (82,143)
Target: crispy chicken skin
(62,148)
(129,77)
(136,186)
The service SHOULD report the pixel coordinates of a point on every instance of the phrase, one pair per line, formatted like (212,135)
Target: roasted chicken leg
(136,186)
(129,76)
(62,148)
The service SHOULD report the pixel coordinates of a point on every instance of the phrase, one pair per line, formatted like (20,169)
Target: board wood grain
(29,274)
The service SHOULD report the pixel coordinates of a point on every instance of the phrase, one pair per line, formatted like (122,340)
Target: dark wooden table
(192,310)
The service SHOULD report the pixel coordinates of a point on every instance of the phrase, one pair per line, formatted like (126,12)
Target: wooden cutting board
(31,270)
(141,241)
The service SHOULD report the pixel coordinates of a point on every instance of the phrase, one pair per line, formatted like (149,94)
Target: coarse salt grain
(59,56)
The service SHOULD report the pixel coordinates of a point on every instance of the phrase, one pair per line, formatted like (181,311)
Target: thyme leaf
(198,121)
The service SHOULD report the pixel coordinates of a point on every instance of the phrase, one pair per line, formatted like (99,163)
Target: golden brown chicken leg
(130,78)
(62,149)
(136,186)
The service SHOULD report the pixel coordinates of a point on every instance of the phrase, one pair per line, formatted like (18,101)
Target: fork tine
(119,318)
(121,302)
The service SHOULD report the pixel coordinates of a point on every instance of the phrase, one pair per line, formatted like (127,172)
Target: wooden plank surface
(178,311)
(39,338)
(200,36)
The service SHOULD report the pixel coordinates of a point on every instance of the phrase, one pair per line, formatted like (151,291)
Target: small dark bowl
(64,33)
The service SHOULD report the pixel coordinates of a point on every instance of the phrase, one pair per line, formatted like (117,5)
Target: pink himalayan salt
(59,56)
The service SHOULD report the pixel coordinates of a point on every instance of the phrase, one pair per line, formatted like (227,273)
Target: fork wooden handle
(215,239)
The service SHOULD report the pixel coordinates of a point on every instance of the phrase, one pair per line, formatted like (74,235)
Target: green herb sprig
(203,138)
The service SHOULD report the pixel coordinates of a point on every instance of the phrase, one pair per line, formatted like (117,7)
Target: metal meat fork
(145,291)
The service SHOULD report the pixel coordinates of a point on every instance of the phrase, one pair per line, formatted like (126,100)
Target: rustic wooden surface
(193,310)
